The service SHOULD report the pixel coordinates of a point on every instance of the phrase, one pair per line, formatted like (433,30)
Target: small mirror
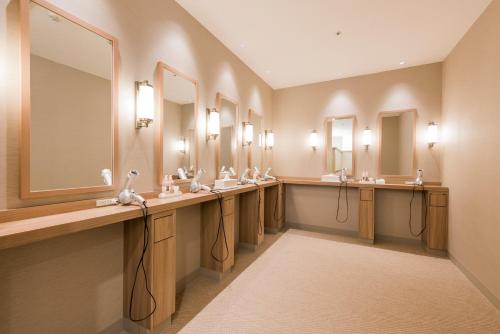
(397,143)
(68,104)
(178,106)
(228,109)
(340,146)
(255,150)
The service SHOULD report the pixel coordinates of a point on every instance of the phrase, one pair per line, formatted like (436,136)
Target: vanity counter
(27,230)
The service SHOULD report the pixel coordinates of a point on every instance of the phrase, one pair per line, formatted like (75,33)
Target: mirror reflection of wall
(340,144)
(397,143)
(256,148)
(71,96)
(228,115)
(179,98)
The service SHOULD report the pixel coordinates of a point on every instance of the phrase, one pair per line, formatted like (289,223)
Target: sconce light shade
(268,139)
(432,134)
(314,139)
(213,123)
(367,137)
(247,133)
(144,109)
(260,139)
(181,145)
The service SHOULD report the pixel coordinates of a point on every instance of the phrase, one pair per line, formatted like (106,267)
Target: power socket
(106,202)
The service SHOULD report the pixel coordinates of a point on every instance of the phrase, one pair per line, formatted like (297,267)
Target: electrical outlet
(106,202)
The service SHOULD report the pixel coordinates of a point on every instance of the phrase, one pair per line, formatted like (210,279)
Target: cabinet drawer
(366,194)
(164,227)
(438,199)
(228,207)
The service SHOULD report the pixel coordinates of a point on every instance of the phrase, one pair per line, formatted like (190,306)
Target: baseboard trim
(388,238)
(477,283)
(322,229)
(181,284)
(114,328)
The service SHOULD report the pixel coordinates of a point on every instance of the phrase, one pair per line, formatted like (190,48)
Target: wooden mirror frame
(218,106)
(25,148)
(250,148)
(160,67)
(383,114)
(325,127)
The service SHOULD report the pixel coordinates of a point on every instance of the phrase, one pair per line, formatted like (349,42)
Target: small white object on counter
(225,183)
(330,178)
(380,181)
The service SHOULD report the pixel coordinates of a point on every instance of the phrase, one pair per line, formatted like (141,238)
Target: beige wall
(471,100)
(74,284)
(298,110)
(70,126)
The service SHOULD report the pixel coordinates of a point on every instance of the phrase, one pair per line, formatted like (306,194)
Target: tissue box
(226,183)
(330,178)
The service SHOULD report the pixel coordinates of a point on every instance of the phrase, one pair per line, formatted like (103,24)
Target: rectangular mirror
(397,154)
(255,149)
(227,140)
(69,78)
(177,105)
(340,144)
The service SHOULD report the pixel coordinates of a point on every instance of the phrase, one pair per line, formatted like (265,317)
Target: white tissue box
(226,184)
(330,178)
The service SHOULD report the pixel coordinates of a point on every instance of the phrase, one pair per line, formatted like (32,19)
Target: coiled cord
(219,228)
(425,217)
(144,209)
(343,221)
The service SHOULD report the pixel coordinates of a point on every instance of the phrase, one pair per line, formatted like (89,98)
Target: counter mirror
(69,90)
(340,144)
(255,149)
(397,154)
(227,155)
(177,105)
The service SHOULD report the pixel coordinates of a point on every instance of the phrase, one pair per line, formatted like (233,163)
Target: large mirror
(68,106)
(177,96)
(255,149)
(397,143)
(340,146)
(227,140)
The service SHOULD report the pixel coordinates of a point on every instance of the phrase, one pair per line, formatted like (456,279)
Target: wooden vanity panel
(366,214)
(164,227)
(274,212)
(436,236)
(252,217)
(224,247)
(159,262)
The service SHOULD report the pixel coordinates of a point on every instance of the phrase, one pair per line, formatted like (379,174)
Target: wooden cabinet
(367,214)
(436,234)
(274,208)
(252,217)
(159,265)
(217,241)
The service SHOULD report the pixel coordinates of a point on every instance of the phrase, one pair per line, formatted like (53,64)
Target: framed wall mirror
(69,94)
(255,150)
(227,141)
(177,112)
(397,153)
(340,145)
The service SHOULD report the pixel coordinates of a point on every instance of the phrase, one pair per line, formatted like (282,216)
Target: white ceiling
(55,38)
(294,42)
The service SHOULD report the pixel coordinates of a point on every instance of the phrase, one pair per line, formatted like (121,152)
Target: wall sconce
(144,109)
(268,139)
(367,137)
(181,145)
(314,140)
(213,123)
(432,134)
(260,139)
(247,133)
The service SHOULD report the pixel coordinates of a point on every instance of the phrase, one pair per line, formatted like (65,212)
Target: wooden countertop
(355,184)
(20,232)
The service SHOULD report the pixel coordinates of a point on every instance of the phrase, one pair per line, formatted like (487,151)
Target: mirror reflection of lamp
(268,139)
(182,145)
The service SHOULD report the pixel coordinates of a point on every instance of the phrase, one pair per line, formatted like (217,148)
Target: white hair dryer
(196,184)
(267,176)
(127,194)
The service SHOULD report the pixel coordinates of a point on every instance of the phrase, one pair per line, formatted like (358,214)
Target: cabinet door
(163,282)
(437,237)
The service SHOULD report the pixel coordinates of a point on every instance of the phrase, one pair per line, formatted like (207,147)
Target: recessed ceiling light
(402,62)
(242,45)
(338,33)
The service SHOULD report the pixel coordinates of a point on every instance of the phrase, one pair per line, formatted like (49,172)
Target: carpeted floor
(305,283)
